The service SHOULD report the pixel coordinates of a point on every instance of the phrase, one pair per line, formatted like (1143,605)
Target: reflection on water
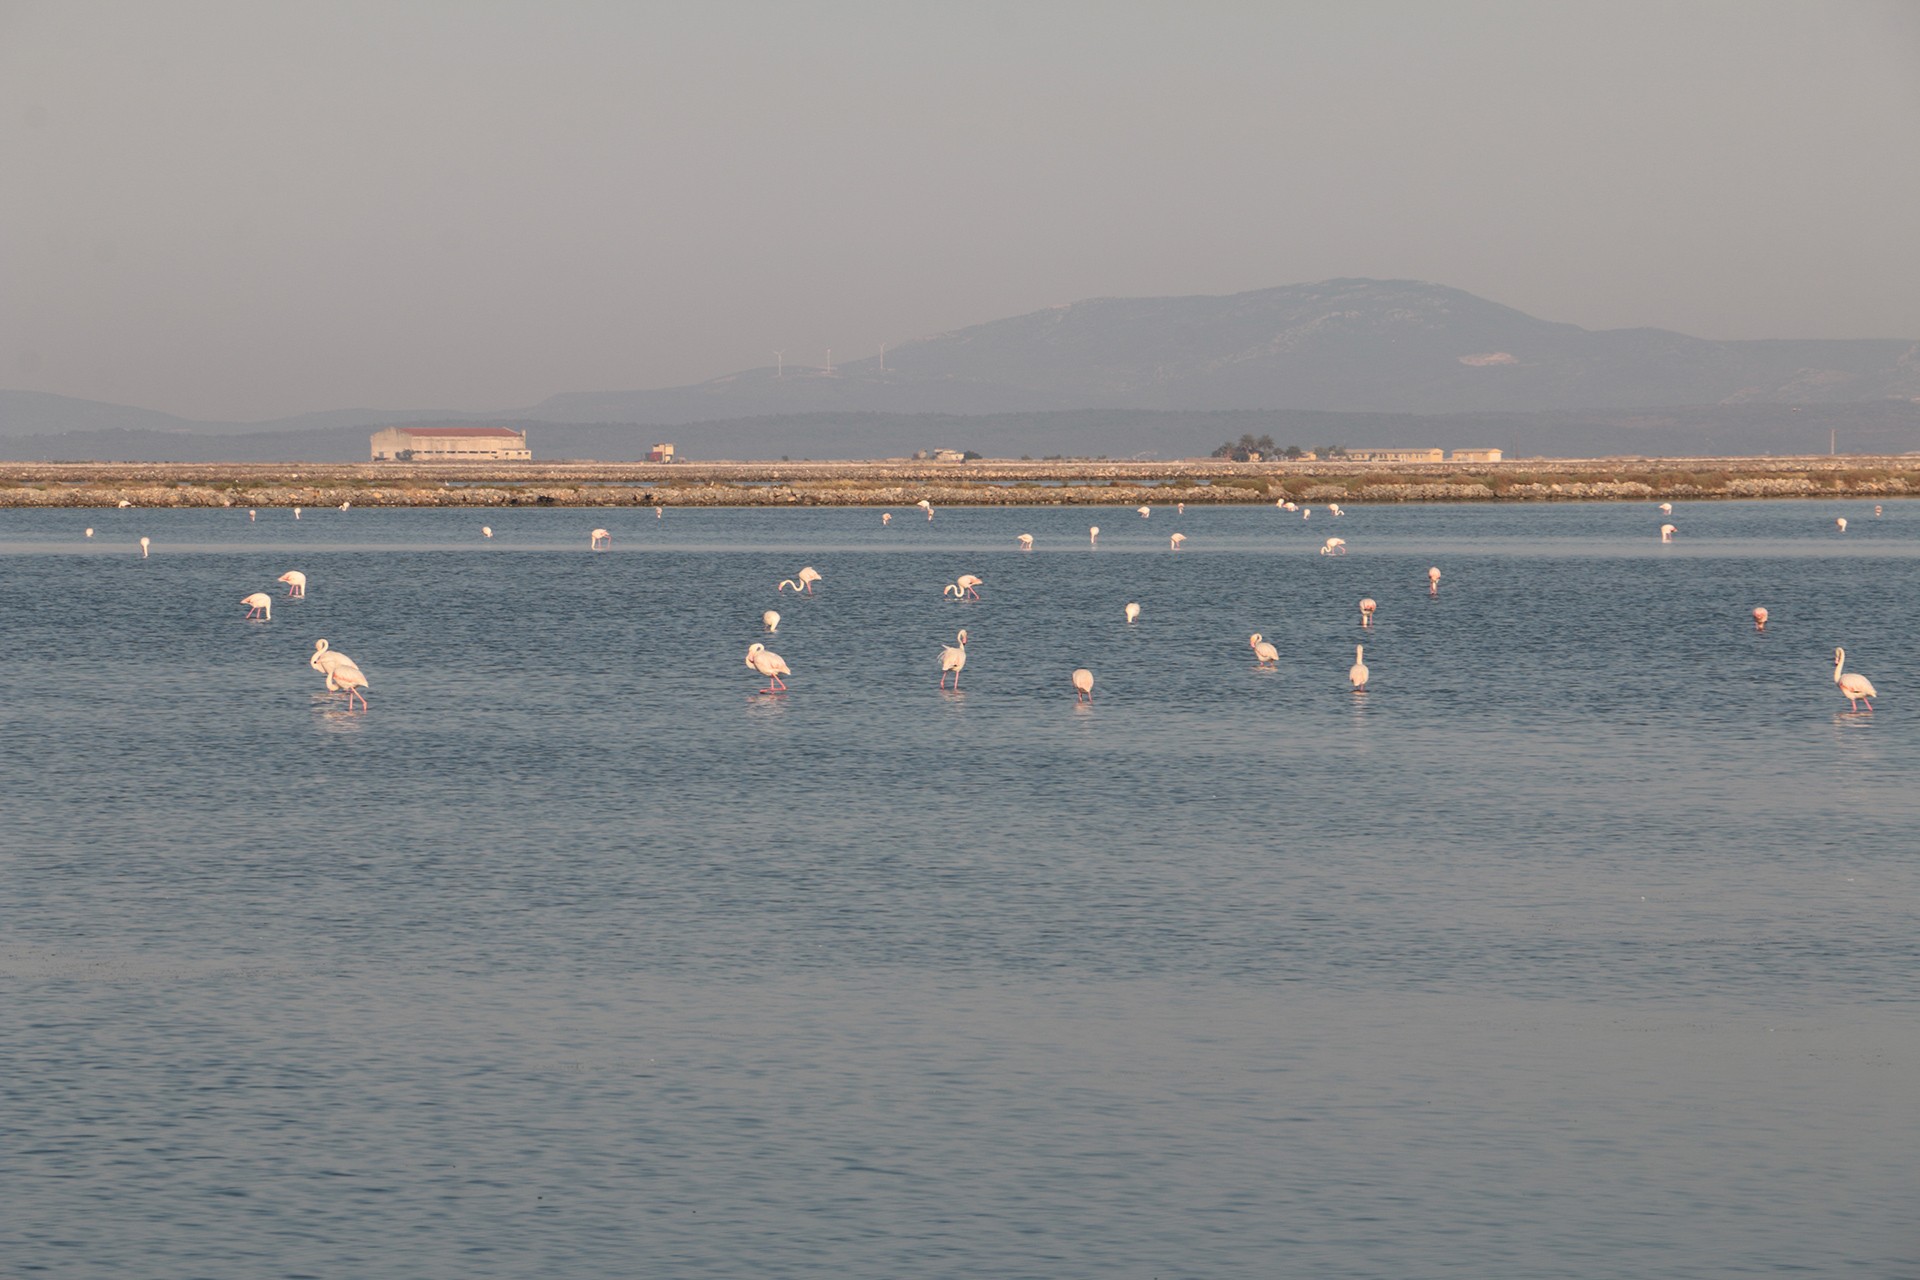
(573,954)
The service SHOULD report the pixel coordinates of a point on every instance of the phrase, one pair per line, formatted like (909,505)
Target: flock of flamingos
(343,675)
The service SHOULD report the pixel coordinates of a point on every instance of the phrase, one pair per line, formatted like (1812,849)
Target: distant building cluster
(660,453)
(450,444)
(1421,455)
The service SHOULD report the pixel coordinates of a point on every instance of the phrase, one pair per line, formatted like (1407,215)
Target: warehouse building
(450,444)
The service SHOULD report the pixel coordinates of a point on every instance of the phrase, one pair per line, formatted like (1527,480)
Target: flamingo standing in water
(341,673)
(1180,508)
(1666,532)
(1175,541)
(659,513)
(123,504)
(925,506)
(296,583)
(1265,655)
(1666,508)
(1855,687)
(1358,671)
(1334,547)
(600,540)
(1093,535)
(1876,511)
(1367,607)
(1083,685)
(952,658)
(259,605)
(486,531)
(967,585)
(886,517)
(1145,512)
(802,582)
(1133,612)
(345,505)
(296,513)
(769,664)
(771,621)
(1841,524)
(1333,508)
(1026,541)
(89,531)
(252,513)
(1433,581)
(144,544)
(1760,618)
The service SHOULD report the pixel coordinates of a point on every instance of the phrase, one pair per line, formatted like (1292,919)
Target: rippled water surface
(1583,944)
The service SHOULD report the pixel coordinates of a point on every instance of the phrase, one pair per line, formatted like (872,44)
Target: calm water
(1583,945)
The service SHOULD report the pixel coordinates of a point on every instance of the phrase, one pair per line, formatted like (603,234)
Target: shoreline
(985,482)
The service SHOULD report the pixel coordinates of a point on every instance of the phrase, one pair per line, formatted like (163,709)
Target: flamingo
(1083,685)
(803,582)
(1306,513)
(1180,508)
(925,506)
(123,504)
(1358,671)
(952,658)
(1265,655)
(886,517)
(296,513)
(769,664)
(1841,524)
(341,673)
(252,514)
(1876,511)
(144,544)
(600,540)
(345,505)
(1145,512)
(1133,612)
(1333,508)
(1433,581)
(1287,506)
(1026,541)
(1334,547)
(1093,535)
(771,621)
(1176,540)
(1666,532)
(659,513)
(259,605)
(296,583)
(1367,607)
(1855,687)
(966,586)
(89,531)
(1666,508)
(486,531)
(1760,618)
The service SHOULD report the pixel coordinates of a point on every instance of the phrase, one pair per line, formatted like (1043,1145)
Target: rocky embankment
(981,483)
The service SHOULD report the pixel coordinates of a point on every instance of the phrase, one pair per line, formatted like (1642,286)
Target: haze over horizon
(241,212)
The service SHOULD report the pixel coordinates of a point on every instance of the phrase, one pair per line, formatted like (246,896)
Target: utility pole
(829,362)
(1833,441)
(883,357)
(779,364)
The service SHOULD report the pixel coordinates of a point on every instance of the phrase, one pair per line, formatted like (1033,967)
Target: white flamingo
(803,581)
(345,505)
(1760,618)
(1855,687)
(259,605)
(1666,532)
(145,543)
(659,513)
(952,658)
(1367,607)
(1026,541)
(1176,540)
(886,517)
(252,513)
(1133,612)
(1433,581)
(296,513)
(1358,671)
(1666,508)
(1180,508)
(1334,547)
(1333,508)
(89,531)
(341,673)
(1876,511)
(600,540)
(1306,513)
(296,583)
(123,504)
(769,664)
(967,586)
(771,621)
(1841,524)
(1265,655)
(1083,685)
(1093,535)
(1145,512)
(925,506)
(486,531)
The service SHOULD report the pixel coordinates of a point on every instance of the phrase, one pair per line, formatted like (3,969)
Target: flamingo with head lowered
(1760,618)
(1144,512)
(601,540)
(803,581)
(259,605)
(1026,541)
(966,587)
(1175,541)
(1133,612)
(296,583)
(1083,685)
(1367,607)
(771,621)
(925,506)
(1334,547)
(1433,581)
(1666,532)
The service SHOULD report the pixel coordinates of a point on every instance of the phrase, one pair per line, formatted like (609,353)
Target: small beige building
(450,444)
(1476,455)
(660,453)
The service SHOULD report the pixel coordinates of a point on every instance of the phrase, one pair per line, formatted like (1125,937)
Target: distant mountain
(1340,347)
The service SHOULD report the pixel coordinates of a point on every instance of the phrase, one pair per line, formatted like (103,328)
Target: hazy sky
(242,210)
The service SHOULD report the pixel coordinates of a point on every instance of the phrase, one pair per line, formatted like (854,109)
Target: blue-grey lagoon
(1583,944)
